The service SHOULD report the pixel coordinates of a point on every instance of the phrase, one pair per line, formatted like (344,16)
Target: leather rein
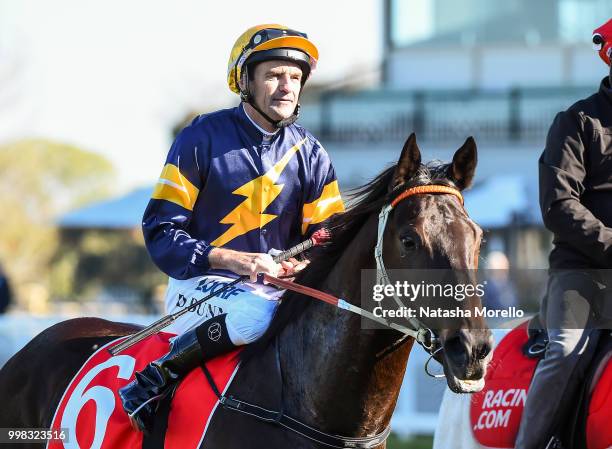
(424,335)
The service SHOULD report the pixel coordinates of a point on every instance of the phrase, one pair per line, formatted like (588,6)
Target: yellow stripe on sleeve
(328,204)
(174,187)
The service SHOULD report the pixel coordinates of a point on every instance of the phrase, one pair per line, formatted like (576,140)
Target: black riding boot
(140,397)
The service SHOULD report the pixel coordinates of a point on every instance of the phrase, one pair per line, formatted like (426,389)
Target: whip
(319,237)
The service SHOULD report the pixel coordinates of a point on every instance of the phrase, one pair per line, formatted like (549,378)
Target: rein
(420,335)
(420,332)
(424,335)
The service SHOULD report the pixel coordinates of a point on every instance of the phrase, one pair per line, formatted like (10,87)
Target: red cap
(602,41)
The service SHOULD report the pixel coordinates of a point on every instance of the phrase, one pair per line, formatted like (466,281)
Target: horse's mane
(343,227)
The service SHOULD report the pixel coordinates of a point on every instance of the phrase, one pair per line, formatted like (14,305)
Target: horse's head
(433,231)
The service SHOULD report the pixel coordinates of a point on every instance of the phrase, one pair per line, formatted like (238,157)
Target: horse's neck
(335,377)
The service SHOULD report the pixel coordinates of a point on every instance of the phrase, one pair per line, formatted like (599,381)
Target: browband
(434,188)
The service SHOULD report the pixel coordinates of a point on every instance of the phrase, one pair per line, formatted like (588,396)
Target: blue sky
(114,76)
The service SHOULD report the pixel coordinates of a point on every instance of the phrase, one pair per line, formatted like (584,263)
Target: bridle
(424,335)
(419,331)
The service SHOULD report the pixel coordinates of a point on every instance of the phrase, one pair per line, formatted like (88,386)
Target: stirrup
(145,403)
(134,415)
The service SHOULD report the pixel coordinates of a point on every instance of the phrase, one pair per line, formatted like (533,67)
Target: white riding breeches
(249,307)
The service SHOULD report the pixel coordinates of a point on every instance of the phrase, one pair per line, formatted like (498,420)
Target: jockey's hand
(242,263)
(292,266)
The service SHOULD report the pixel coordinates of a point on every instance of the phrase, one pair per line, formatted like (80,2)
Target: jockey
(576,202)
(238,184)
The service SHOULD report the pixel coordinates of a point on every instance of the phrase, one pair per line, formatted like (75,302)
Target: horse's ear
(409,162)
(463,167)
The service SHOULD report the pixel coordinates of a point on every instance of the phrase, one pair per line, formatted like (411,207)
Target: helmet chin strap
(247,97)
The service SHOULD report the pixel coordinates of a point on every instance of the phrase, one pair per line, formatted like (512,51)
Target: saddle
(496,411)
(588,427)
(90,410)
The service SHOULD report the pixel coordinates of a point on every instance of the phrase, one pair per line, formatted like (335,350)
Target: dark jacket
(576,183)
(5,293)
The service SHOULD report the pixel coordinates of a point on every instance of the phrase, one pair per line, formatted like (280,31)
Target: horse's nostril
(455,348)
(483,351)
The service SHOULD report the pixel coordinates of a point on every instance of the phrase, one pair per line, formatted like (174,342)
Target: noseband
(424,335)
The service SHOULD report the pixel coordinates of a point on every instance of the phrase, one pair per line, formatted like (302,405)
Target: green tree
(40,179)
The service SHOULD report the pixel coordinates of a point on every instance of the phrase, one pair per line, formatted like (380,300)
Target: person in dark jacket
(576,201)
(5,292)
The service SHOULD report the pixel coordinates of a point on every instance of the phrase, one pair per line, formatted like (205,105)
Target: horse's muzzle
(465,356)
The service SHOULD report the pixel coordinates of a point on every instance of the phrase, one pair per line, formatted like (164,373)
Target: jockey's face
(276,87)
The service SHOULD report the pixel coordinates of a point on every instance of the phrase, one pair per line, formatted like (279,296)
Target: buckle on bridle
(428,339)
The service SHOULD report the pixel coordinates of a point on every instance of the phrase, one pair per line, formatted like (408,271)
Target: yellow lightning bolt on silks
(328,204)
(259,193)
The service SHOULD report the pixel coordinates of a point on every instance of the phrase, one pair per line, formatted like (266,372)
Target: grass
(418,442)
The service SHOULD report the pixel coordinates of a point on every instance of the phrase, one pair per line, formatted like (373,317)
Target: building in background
(478,44)
(451,69)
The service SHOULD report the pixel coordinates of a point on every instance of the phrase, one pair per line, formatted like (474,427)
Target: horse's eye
(408,242)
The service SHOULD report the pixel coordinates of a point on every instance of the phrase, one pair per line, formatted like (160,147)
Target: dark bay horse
(337,377)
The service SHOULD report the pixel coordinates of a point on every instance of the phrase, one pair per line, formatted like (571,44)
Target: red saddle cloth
(495,412)
(599,421)
(90,410)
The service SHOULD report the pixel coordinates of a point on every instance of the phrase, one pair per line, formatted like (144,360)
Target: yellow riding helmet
(267,42)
